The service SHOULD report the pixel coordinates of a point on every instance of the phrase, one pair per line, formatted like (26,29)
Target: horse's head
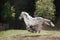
(23,14)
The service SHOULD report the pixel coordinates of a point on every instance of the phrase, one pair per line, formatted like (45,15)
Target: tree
(45,8)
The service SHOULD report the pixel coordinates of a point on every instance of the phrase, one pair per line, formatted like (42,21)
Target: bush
(8,11)
(45,8)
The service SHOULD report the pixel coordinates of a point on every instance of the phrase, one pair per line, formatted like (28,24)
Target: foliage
(7,12)
(45,8)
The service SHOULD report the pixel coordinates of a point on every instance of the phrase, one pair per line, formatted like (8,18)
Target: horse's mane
(26,14)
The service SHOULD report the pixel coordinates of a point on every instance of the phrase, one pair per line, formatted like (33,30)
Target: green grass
(24,32)
(50,32)
(11,32)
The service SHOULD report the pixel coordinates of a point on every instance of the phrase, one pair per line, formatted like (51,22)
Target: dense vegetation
(45,8)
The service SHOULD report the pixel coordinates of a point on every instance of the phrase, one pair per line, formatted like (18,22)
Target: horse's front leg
(28,28)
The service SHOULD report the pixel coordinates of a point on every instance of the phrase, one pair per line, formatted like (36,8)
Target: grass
(11,32)
(50,32)
(24,33)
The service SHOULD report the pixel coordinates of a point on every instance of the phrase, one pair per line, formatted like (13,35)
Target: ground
(25,35)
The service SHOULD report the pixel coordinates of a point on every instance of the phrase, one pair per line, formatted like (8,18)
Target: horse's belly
(33,23)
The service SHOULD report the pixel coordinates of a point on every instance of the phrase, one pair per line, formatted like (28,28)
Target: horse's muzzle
(20,18)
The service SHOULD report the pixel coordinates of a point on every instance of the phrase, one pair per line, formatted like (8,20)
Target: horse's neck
(27,17)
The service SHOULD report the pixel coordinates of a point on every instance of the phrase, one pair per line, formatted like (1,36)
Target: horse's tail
(49,22)
(52,24)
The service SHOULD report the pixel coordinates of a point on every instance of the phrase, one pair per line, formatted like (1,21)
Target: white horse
(30,21)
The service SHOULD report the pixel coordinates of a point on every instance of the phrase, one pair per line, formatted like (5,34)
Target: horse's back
(38,19)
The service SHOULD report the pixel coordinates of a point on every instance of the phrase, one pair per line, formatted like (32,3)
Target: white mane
(23,13)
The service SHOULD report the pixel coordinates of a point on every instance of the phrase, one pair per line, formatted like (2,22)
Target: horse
(34,23)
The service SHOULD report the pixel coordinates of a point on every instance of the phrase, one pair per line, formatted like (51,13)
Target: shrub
(45,8)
